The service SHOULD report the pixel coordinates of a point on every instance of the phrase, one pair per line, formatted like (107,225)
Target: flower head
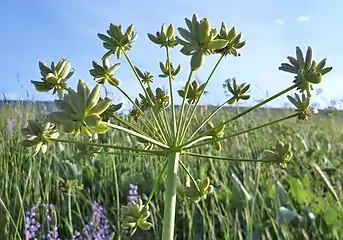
(135,215)
(164,38)
(117,41)
(105,73)
(194,91)
(39,134)
(199,192)
(307,71)
(80,111)
(302,106)
(281,155)
(54,77)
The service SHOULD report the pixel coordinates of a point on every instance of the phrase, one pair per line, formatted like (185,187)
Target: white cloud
(279,21)
(303,18)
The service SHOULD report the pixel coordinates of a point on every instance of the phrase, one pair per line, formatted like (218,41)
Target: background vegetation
(250,201)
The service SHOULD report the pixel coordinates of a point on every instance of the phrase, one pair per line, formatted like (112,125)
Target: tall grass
(250,201)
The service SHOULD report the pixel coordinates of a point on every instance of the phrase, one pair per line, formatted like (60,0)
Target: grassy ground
(251,201)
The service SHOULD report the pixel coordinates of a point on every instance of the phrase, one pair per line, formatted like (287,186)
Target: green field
(250,201)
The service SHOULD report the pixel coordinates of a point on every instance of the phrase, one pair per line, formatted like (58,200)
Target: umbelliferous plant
(162,127)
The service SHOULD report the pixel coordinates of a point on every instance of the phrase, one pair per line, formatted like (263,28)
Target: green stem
(257,181)
(247,111)
(157,153)
(105,146)
(170,196)
(117,196)
(190,175)
(162,118)
(157,120)
(240,133)
(157,143)
(183,128)
(69,212)
(171,95)
(130,99)
(127,124)
(198,99)
(154,189)
(183,107)
(224,158)
(208,118)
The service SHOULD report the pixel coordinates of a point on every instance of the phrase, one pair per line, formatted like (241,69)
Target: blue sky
(47,31)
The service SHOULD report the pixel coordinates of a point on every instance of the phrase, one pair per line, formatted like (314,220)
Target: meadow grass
(250,201)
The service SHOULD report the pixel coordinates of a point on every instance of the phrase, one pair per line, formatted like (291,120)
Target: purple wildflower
(50,213)
(133,193)
(32,226)
(10,124)
(97,228)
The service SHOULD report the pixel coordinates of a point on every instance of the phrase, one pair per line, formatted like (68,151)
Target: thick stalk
(170,196)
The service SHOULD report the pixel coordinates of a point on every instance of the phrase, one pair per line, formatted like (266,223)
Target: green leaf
(181,93)
(189,49)
(128,225)
(77,103)
(240,45)
(93,97)
(100,128)
(300,57)
(325,70)
(231,35)
(186,34)
(297,190)
(63,106)
(37,148)
(170,31)
(44,68)
(308,60)
(114,81)
(218,44)
(59,118)
(197,60)
(29,143)
(104,38)
(100,107)
(321,64)
(83,91)
(92,120)
(133,230)
(42,86)
(145,225)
